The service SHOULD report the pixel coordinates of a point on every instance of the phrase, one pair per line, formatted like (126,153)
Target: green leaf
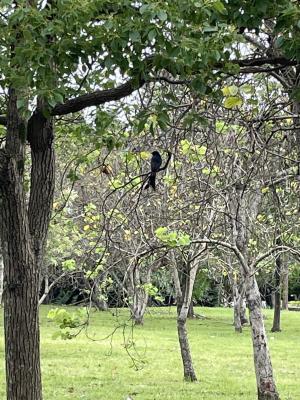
(152,34)
(219,6)
(69,264)
(162,15)
(233,101)
(135,36)
(230,90)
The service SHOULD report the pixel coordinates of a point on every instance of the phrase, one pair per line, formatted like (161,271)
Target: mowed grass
(101,369)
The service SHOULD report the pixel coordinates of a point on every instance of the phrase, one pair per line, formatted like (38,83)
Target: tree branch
(274,250)
(167,162)
(256,62)
(103,96)
(98,97)
(229,246)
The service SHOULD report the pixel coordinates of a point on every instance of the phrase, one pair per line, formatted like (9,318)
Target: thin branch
(271,251)
(229,246)
(167,162)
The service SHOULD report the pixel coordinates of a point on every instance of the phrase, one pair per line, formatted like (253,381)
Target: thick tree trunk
(1,277)
(277,297)
(21,325)
(23,234)
(266,387)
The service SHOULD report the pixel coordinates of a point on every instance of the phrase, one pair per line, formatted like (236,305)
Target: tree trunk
(277,297)
(237,315)
(23,235)
(285,286)
(239,309)
(97,296)
(191,313)
(184,290)
(266,387)
(139,305)
(188,368)
(1,277)
(44,297)
(138,293)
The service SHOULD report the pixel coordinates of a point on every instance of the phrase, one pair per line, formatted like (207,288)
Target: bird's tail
(151,181)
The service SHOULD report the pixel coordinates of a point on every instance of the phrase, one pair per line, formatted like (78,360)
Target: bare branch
(229,246)
(272,251)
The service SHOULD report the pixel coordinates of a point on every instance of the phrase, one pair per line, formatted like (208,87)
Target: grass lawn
(102,370)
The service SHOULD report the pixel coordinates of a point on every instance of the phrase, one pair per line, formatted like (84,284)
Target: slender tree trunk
(277,302)
(191,313)
(46,290)
(139,305)
(97,296)
(285,286)
(188,368)
(139,296)
(240,202)
(184,290)
(237,313)
(239,309)
(266,387)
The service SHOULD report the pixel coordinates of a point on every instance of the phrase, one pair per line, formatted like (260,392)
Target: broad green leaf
(233,101)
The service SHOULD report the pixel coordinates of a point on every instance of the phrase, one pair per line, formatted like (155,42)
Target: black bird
(155,166)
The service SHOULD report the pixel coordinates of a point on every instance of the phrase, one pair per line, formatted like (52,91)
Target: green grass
(93,370)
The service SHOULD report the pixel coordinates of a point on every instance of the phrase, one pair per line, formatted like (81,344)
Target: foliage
(172,238)
(68,323)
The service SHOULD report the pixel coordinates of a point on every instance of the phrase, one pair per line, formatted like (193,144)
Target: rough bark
(21,280)
(23,235)
(1,277)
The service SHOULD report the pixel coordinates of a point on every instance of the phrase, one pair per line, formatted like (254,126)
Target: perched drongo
(155,166)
